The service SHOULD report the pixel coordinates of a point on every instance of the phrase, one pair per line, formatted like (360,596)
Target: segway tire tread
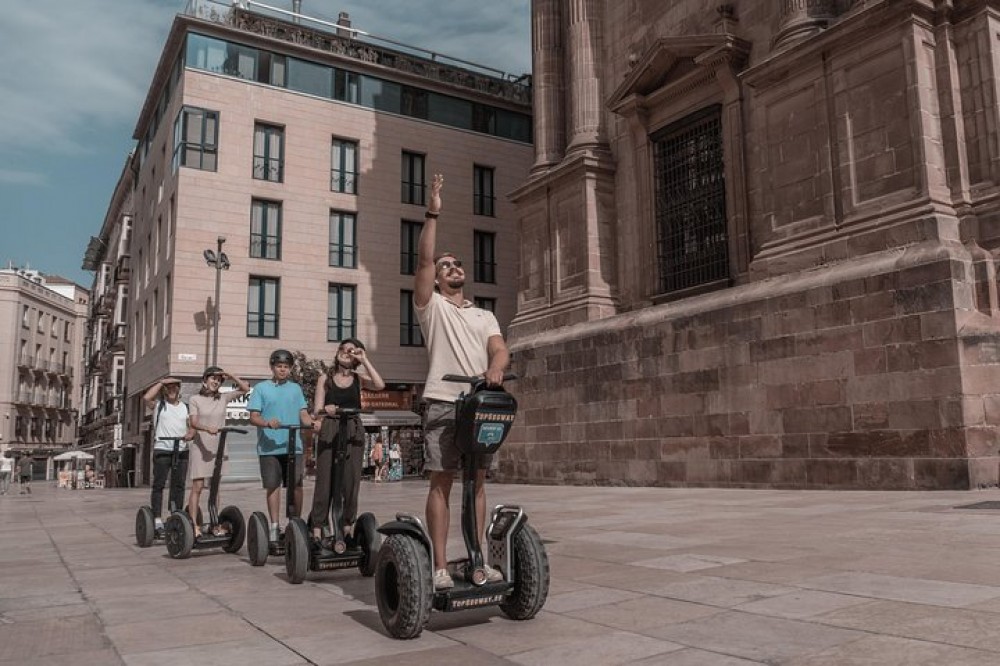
(403,588)
(232,519)
(257,533)
(296,551)
(370,541)
(145,527)
(180,535)
(531,576)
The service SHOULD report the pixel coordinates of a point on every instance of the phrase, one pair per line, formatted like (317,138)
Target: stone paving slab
(683,577)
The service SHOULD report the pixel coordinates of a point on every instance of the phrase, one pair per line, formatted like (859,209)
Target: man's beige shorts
(440,452)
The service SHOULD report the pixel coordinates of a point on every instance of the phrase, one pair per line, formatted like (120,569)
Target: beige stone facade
(201,174)
(42,320)
(758,246)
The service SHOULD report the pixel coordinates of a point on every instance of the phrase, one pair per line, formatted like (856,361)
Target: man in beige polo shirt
(461,340)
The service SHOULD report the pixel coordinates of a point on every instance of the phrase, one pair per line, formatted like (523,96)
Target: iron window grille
(413,183)
(265,229)
(482,191)
(484,256)
(690,206)
(343,240)
(344,166)
(340,320)
(262,307)
(409,236)
(410,334)
(269,153)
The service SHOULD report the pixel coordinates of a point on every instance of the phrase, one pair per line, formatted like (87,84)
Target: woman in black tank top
(341,387)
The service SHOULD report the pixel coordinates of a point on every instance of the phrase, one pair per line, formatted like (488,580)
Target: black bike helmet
(211,370)
(282,356)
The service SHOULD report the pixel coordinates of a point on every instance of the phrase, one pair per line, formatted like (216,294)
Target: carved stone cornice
(673,65)
(369,54)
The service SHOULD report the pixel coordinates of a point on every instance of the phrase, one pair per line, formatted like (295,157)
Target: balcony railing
(26,361)
(123,269)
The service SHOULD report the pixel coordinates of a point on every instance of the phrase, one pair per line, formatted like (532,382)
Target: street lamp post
(220,262)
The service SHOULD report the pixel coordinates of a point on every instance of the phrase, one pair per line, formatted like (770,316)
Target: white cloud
(72,69)
(13,177)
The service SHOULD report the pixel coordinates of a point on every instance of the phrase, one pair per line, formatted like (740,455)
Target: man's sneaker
(442,580)
(492,575)
(273,535)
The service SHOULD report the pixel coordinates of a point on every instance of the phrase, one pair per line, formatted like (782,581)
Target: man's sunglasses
(449,264)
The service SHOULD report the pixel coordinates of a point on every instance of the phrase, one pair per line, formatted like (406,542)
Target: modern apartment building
(303,153)
(41,334)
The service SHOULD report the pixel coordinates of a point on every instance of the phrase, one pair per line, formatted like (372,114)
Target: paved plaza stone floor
(685,577)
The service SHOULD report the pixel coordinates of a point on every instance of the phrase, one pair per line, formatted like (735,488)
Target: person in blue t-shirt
(276,402)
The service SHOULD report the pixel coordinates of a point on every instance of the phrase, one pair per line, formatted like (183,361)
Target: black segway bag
(483,420)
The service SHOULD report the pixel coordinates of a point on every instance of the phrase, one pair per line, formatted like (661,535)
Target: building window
(409,327)
(484,256)
(345,86)
(692,238)
(268,152)
(482,190)
(409,236)
(67,331)
(265,229)
(343,239)
(485,303)
(413,178)
(344,166)
(196,134)
(25,317)
(340,318)
(262,307)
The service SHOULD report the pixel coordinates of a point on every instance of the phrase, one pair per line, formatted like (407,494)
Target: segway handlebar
(242,431)
(475,380)
(345,411)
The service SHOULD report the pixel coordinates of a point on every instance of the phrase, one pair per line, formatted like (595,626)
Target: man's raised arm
(424,281)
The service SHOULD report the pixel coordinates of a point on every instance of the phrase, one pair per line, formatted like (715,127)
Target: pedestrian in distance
(26,469)
(340,388)
(461,339)
(170,420)
(6,471)
(207,417)
(276,402)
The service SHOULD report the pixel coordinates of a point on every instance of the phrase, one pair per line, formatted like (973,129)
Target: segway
(146,533)
(358,549)
(179,527)
(259,545)
(404,572)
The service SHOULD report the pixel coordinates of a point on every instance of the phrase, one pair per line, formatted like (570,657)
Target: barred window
(690,206)
(268,153)
(409,327)
(265,229)
(340,318)
(409,236)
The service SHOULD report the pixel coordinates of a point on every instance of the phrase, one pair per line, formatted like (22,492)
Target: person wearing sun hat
(170,419)
(207,416)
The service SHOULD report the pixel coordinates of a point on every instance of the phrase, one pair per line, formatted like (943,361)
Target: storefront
(400,430)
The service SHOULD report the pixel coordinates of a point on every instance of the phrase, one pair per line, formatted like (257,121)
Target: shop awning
(391,417)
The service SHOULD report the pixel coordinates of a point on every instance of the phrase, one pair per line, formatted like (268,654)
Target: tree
(305,372)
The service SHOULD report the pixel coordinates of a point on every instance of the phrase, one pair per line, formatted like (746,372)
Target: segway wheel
(179,531)
(366,535)
(231,519)
(531,576)
(257,539)
(145,527)
(404,587)
(296,550)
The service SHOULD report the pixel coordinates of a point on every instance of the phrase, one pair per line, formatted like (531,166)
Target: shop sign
(386,400)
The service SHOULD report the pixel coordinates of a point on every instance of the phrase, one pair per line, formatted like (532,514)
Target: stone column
(584,50)
(546,81)
(800,19)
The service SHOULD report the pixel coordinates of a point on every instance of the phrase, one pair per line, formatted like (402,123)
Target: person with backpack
(170,419)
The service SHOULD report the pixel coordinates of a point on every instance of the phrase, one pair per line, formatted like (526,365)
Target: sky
(76,73)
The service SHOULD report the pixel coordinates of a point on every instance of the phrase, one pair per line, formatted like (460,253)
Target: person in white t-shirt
(461,340)
(170,419)
(6,471)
